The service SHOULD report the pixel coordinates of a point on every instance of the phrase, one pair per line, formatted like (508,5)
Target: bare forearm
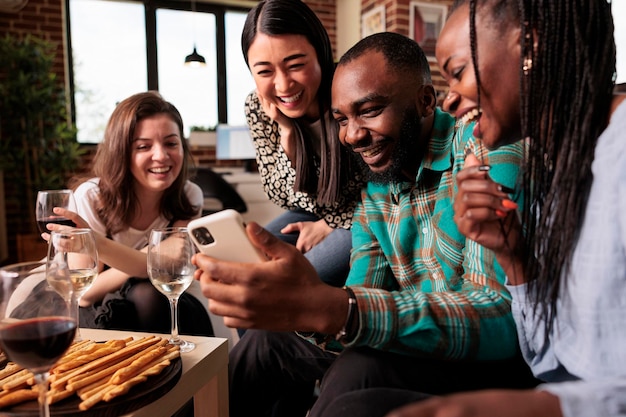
(131,261)
(108,281)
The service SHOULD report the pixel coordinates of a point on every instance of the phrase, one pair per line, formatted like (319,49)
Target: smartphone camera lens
(203,236)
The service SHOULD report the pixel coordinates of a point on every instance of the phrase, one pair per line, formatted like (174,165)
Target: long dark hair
(293,17)
(118,204)
(567,74)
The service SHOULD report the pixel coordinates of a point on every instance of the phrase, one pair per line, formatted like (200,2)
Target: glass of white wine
(171,271)
(72,260)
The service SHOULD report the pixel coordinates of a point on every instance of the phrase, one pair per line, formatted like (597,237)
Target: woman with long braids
(541,71)
(567,268)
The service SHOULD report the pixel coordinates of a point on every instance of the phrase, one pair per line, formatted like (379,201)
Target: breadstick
(137,365)
(9,370)
(145,373)
(123,388)
(17,396)
(105,349)
(105,360)
(142,340)
(157,364)
(75,349)
(55,396)
(83,359)
(95,399)
(16,380)
(84,380)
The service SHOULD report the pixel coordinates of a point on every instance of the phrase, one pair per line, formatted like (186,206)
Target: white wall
(619,17)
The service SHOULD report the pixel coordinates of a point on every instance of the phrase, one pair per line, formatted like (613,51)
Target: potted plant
(202,136)
(38,147)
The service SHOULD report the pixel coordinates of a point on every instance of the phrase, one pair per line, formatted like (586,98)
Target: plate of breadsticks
(96,379)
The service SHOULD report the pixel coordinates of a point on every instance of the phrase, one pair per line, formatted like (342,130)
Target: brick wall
(326,10)
(397,20)
(43,19)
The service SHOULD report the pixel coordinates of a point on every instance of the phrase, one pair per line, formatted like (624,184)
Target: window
(105,72)
(192,90)
(145,49)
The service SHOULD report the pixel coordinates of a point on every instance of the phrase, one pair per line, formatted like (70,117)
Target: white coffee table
(204,376)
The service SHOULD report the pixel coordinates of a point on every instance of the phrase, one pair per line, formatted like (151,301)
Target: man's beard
(405,151)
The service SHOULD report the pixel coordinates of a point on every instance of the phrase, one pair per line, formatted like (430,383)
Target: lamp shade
(195,59)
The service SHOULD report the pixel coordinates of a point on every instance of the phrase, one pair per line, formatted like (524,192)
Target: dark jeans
(371,402)
(362,368)
(273,374)
(330,257)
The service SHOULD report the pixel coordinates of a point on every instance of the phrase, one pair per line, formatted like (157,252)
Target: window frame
(150,9)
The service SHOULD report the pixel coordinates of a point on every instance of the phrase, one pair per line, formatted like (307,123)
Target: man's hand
(283,293)
(311,233)
(493,403)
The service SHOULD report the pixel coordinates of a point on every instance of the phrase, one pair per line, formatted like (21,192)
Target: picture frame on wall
(425,23)
(373,21)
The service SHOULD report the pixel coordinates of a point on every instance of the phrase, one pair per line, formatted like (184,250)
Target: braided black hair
(567,75)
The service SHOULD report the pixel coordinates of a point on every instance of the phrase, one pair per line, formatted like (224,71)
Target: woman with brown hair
(139,182)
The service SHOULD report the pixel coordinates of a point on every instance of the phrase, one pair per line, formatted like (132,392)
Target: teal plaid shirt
(421,287)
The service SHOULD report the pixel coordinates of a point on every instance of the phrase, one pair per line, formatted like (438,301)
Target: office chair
(216,188)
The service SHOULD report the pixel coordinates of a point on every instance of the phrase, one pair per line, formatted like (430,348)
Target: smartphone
(222,235)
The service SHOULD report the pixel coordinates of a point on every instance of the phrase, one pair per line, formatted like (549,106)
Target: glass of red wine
(47,200)
(36,323)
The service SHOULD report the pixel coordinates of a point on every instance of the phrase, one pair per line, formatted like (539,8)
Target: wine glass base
(183,345)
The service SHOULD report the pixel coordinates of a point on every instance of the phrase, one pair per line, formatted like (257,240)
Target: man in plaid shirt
(423,308)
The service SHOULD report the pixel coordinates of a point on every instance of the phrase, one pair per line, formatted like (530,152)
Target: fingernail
(500,213)
(506,203)
(484,168)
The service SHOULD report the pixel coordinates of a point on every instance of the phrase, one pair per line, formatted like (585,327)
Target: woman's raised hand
(484,213)
(284,123)
(68,214)
(310,233)
(481,207)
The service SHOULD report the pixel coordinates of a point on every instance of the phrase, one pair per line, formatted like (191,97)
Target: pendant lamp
(194,59)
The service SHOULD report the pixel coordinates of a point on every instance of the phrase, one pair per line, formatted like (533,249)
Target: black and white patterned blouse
(278,176)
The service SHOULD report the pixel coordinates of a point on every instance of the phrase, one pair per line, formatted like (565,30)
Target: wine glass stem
(174,316)
(76,311)
(42,387)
